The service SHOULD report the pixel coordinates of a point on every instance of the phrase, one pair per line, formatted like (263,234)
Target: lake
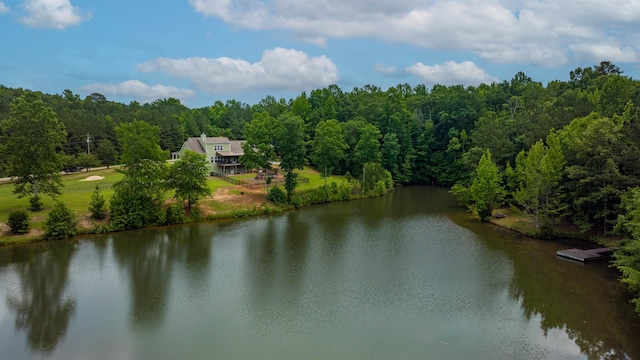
(405,276)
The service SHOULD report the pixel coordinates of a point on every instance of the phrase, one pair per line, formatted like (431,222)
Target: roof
(195,144)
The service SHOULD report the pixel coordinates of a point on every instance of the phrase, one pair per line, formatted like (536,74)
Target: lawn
(76,195)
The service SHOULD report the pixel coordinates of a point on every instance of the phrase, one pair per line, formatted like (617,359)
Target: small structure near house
(585,255)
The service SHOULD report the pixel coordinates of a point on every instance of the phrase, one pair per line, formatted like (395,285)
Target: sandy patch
(92,178)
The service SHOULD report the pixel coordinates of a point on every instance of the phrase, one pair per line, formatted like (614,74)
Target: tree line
(565,150)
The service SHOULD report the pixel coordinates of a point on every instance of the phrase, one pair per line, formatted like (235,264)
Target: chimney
(203,138)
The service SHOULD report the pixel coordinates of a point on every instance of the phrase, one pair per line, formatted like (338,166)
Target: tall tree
(137,199)
(539,173)
(291,147)
(106,152)
(188,177)
(627,258)
(328,147)
(259,149)
(139,140)
(32,138)
(487,190)
(367,149)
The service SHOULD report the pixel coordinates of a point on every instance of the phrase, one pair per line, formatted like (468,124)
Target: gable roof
(195,144)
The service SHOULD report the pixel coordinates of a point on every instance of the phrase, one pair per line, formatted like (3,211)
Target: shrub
(60,223)
(36,204)
(97,206)
(19,221)
(174,214)
(278,196)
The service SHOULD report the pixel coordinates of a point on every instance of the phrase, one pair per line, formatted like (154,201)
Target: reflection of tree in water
(585,301)
(276,266)
(41,308)
(585,306)
(150,257)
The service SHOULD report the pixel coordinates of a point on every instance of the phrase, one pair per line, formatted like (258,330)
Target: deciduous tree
(31,139)
(487,190)
(328,147)
(188,178)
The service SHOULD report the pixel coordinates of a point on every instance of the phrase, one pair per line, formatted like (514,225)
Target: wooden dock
(585,255)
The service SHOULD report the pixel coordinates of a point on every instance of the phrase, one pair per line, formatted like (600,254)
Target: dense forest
(568,150)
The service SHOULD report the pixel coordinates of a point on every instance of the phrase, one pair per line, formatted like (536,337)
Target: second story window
(217,147)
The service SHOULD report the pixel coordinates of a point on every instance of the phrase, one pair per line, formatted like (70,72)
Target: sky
(202,51)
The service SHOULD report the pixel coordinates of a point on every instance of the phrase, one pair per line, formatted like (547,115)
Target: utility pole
(88,142)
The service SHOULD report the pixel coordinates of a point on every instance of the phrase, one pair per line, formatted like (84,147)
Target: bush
(97,206)
(19,221)
(174,214)
(278,196)
(36,204)
(60,223)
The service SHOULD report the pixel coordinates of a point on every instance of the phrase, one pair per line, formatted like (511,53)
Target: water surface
(404,276)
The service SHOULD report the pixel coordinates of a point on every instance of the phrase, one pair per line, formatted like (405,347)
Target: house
(222,154)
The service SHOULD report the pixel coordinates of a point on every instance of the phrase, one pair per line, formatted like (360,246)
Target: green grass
(76,195)
(316,179)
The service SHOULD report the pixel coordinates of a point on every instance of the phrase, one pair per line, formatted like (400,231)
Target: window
(213,159)
(217,147)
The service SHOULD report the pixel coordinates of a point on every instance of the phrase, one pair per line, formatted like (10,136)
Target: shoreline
(246,209)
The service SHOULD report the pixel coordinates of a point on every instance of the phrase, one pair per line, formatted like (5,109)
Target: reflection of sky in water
(341,281)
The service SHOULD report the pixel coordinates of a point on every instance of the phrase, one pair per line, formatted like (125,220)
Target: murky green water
(405,276)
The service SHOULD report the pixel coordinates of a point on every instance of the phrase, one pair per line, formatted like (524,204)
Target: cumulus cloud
(4,8)
(140,91)
(53,14)
(278,69)
(542,32)
(385,69)
(451,73)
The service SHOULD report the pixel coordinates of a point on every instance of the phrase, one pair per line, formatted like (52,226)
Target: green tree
(137,199)
(31,139)
(106,152)
(539,173)
(259,149)
(627,257)
(291,147)
(87,161)
(391,152)
(328,147)
(139,140)
(61,223)
(188,177)
(97,206)
(367,149)
(486,191)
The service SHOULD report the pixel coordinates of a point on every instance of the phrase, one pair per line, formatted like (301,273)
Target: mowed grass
(76,195)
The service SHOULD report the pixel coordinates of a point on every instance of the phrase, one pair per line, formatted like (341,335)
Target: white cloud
(279,69)
(614,53)
(4,8)
(385,69)
(140,91)
(542,32)
(451,73)
(53,14)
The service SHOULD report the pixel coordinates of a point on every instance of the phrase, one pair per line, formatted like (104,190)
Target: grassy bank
(227,201)
(525,224)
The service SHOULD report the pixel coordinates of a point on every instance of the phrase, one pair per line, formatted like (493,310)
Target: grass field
(76,195)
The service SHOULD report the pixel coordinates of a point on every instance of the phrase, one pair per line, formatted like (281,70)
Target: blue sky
(201,51)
